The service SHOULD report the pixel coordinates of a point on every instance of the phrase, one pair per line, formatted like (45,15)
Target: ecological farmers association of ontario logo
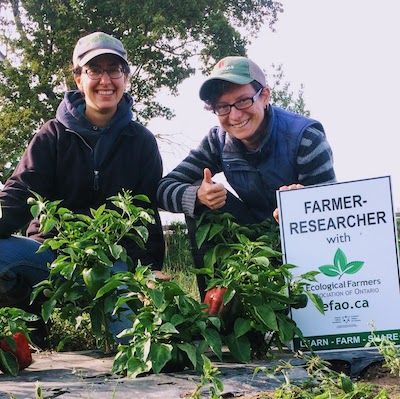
(340,266)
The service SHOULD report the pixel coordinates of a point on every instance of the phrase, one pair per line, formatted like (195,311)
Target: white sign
(347,232)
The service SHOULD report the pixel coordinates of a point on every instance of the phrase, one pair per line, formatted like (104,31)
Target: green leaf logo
(341,266)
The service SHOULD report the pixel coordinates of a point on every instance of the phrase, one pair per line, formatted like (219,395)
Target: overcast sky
(345,53)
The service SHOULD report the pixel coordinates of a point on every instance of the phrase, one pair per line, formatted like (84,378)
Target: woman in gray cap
(258,146)
(88,153)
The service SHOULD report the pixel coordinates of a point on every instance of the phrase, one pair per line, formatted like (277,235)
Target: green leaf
(68,270)
(261,260)
(213,339)
(210,258)
(215,321)
(317,301)
(353,267)
(287,328)
(267,316)
(214,230)
(160,354)
(47,308)
(141,197)
(54,244)
(201,325)
(109,286)
(201,234)
(347,384)
(96,213)
(168,328)
(190,350)
(9,363)
(340,260)
(103,257)
(35,210)
(177,319)
(48,225)
(116,250)
(95,277)
(157,297)
(228,295)
(240,348)
(329,270)
(241,327)
(135,367)
(142,232)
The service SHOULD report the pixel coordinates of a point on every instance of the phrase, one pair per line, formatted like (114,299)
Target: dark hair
(218,87)
(125,68)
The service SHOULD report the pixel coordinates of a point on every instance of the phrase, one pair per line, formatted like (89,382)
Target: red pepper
(22,351)
(215,300)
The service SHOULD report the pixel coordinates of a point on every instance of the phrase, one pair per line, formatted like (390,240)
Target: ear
(265,96)
(78,82)
(126,81)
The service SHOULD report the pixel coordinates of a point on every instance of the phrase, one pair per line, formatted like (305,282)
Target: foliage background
(163,39)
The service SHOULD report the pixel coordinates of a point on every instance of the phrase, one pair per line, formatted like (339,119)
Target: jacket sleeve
(177,191)
(34,172)
(315,159)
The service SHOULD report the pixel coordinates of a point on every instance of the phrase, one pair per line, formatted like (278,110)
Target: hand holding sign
(211,194)
(293,186)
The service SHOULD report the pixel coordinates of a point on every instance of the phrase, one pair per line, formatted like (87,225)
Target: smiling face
(244,124)
(102,95)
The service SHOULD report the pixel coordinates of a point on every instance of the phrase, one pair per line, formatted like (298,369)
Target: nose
(105,78)
(235,113)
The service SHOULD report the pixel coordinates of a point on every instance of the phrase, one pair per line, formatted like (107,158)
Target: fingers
(215,197)
(207,176)
(293,186)
(211,194)
(275,214)
(159,275)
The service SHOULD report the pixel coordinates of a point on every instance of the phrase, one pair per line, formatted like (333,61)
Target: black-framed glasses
(225,109)
(95,73)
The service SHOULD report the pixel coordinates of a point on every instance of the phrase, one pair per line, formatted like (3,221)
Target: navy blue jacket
(68,159)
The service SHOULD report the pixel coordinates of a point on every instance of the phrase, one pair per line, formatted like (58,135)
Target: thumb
(207,176)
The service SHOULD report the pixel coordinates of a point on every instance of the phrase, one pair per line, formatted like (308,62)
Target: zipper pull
(96,180)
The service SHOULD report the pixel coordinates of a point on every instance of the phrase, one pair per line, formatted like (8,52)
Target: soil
(76,374)
(375,374)
(381,377)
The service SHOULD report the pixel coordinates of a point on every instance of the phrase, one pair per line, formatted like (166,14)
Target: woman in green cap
(259,147)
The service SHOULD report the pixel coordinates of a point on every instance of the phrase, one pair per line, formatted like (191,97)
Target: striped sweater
(177,191)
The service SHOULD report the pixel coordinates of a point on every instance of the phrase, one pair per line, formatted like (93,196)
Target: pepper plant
(87,247)
(170,330)
(15,353)
(259,289)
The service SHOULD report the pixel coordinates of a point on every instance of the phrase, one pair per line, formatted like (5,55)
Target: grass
(178,259)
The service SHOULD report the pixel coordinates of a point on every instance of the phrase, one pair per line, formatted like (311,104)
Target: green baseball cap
(95,44)
(234,69)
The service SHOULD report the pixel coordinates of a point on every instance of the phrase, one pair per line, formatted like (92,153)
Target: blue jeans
(21,267)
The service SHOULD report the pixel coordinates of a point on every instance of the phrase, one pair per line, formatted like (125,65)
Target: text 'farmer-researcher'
(338,222)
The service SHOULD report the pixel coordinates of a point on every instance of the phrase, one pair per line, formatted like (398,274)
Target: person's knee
(15,291)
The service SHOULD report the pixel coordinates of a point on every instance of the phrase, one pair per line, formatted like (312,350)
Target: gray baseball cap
(234,69)
(95,44)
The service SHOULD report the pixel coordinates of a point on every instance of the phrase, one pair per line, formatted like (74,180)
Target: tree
(162,38)
(283,95)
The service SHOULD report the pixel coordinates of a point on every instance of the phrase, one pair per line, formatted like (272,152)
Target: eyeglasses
(95,73)
(225,109)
